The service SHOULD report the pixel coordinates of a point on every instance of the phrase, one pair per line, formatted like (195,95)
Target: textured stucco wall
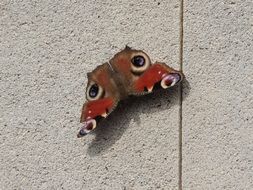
(46,48)
(218,113)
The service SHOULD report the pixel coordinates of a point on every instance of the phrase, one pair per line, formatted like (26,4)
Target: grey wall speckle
(46,49)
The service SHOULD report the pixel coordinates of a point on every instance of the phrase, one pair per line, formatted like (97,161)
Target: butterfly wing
(102,97)
(158,74)
(140,76)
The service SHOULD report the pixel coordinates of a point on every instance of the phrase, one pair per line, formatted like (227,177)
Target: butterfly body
(129,72)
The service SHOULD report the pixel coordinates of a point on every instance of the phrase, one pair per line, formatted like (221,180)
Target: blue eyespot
(138,61)
(93,92)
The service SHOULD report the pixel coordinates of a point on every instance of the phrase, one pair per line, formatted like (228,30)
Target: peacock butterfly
(129,72)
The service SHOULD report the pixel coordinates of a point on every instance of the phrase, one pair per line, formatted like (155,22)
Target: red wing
(96,108)
(140,76)
(92,111)
(157,73)
(102,96)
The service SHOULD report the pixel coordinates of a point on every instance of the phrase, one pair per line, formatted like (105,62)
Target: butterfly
(129,72)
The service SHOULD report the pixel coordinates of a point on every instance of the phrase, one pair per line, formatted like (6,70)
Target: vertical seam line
(180,130)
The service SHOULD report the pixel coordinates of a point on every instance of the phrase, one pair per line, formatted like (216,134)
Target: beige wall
(47,47)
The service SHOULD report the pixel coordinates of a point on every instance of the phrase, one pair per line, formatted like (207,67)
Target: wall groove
(180,133)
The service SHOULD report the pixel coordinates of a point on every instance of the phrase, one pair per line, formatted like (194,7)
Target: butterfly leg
(158,72)
(92,111)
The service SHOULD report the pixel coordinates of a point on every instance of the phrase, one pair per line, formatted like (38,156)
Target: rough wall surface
(46,49)
(218,113)
(48,46)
